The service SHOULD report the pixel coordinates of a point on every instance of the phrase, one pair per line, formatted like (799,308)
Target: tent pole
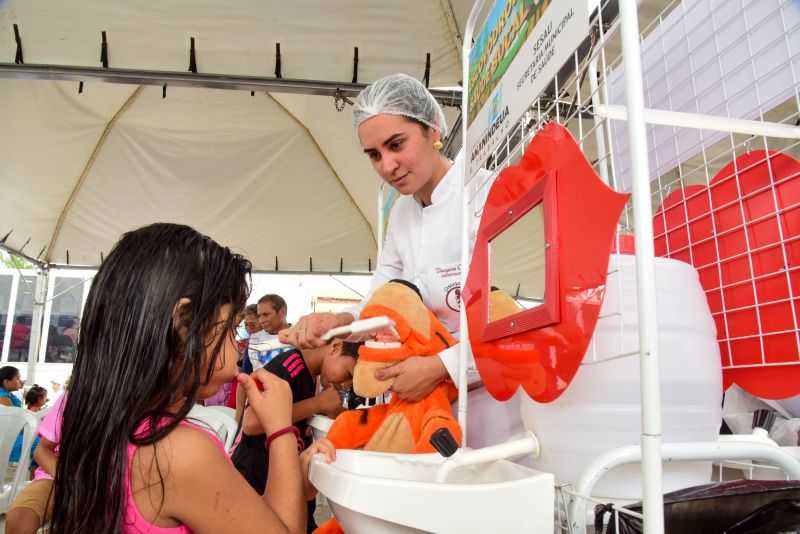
(463,353)
(39,299)
(15,252)
(189,79)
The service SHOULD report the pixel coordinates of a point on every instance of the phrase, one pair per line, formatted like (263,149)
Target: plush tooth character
(399,426)
(502,305)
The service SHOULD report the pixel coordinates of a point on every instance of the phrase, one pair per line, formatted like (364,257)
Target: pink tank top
(134,522)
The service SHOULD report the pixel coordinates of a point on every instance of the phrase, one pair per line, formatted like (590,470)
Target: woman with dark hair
(9,382)
(157,335)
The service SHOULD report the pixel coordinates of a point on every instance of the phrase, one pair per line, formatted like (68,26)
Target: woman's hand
(305,334)
(414,377)
(320,446)
(273,405)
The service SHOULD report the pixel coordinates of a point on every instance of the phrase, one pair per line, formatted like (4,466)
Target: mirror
(517,264)
(521,251)
(553,197)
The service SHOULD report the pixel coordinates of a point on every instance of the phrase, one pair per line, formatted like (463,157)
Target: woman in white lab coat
(400,126)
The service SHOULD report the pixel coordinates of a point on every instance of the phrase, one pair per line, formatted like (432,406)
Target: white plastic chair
(230,412)
(12,422)
(218,419)
(41,413)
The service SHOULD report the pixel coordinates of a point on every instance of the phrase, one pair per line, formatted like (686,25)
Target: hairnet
(399,94)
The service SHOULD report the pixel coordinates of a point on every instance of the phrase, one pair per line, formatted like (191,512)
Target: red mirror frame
(544,359)
(549,312)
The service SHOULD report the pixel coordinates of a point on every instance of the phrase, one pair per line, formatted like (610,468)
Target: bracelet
(278,433)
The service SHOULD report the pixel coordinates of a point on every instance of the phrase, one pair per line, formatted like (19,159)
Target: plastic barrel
(601,409)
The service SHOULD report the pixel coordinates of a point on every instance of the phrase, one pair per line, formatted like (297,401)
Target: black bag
(737,507)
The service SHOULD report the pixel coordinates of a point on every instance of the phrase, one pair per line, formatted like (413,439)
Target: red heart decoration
(742,234)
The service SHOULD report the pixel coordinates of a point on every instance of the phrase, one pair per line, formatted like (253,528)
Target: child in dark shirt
(333,364)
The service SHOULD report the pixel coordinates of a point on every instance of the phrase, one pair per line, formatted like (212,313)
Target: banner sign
(517,53)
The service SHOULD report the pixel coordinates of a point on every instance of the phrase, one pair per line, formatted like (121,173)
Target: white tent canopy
(271,175)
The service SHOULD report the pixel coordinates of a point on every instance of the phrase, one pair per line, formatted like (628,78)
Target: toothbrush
(363,327)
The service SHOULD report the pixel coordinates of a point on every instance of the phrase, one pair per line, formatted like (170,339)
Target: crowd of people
(158,336)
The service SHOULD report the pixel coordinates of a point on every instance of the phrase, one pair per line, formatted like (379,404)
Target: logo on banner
(499,125)
(494,108)
(520,48)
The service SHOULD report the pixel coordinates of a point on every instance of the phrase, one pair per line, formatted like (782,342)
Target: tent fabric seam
(452,26)
(85,172)
(328,163)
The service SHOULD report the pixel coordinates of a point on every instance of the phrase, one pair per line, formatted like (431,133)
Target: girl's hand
(273,405)
(306,333)
(320,446)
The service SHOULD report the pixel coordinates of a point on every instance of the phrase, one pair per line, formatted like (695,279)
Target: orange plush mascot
(399,426)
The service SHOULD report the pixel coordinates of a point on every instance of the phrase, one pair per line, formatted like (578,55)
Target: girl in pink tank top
(135,522)
(157,335)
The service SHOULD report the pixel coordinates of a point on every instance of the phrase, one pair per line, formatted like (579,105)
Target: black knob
(763,419)
(444,442)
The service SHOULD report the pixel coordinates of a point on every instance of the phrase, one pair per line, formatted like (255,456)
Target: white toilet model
(373,492)
(320,425)
(601,409)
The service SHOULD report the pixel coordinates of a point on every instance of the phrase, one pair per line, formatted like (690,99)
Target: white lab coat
(423,246)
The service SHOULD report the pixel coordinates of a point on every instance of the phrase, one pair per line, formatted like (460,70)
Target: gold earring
(438,145)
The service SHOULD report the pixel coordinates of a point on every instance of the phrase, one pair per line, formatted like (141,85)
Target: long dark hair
(132,364)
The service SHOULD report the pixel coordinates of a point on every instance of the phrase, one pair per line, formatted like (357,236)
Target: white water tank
(601,409)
